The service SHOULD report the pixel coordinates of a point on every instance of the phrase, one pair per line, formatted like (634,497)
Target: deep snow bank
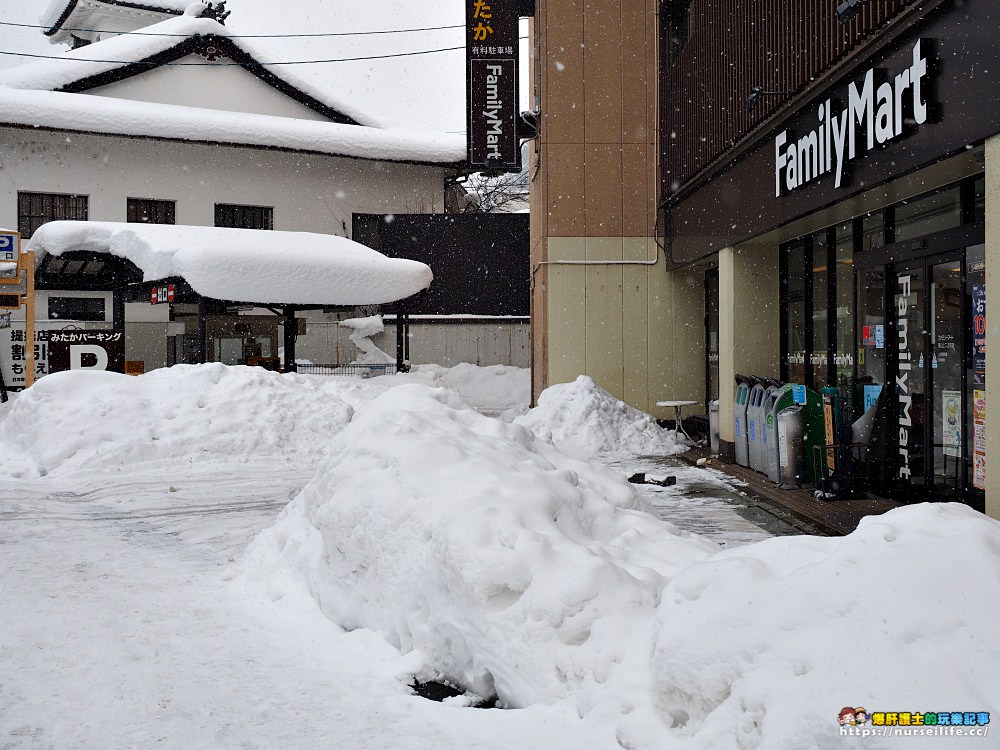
(188,413)
(584,420)
(497,390)
(761,646)
(512,568)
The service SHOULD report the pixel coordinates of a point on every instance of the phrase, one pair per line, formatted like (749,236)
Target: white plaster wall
(221,85)
(309,192)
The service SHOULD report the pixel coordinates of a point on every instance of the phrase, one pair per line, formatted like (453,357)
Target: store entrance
(919,369)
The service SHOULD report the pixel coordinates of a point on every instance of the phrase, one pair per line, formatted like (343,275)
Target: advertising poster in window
(979,334)
(979,439)
(951,416)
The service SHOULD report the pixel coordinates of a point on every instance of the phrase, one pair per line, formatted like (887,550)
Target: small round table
(678,421)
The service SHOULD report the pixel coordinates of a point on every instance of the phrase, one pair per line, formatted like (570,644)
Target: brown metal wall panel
(781,45)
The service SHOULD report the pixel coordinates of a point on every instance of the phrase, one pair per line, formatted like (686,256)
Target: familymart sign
(874,115)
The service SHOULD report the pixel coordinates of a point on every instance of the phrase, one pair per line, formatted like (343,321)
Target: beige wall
(749,321)
(992,325)
(603,303)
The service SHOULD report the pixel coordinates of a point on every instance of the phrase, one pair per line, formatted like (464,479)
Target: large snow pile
(497,390)
(515,570)
(583,419)
(761,646)
(509,569)
(77,420)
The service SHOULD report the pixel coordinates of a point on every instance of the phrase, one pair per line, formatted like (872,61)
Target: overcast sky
(16,39)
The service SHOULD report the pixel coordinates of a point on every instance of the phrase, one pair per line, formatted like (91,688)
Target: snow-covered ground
(224,557)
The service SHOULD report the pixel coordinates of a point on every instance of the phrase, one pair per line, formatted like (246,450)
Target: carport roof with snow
(242,265)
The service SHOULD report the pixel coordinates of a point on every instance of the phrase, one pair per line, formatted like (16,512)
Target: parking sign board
(87,350)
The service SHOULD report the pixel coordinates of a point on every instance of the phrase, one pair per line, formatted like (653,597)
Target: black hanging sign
(491,53)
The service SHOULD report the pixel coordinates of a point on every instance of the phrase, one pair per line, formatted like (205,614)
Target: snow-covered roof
(94,114)
(30,95)
(383,62)
(59,10)
(126,54)
(245,265)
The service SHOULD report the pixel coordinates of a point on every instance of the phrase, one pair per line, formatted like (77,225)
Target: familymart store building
(868,254)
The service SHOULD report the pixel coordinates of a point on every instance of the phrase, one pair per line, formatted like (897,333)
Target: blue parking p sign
(8,247)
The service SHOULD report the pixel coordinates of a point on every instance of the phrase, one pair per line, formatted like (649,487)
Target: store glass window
(844,307)
(872,230)
(820,281)
(928,213)
(975,410)
(712,332)
(794,283)
(979,199)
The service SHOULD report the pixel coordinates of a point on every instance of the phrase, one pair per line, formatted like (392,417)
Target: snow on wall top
(246,265)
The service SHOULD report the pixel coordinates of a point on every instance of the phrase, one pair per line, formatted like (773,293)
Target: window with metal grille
(149,211)
(76,308)
(244,217)
(35,209)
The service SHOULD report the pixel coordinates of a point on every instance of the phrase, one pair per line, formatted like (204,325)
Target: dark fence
(363,371)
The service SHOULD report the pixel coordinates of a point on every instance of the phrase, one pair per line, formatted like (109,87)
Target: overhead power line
(261,64)
(242,36)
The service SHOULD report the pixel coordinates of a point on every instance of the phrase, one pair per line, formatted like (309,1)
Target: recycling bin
(765,429)
(713,426)
(791,450)
(755,413)
(740,447)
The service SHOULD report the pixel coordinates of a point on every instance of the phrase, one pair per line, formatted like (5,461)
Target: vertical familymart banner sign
(880,108)
(491,53)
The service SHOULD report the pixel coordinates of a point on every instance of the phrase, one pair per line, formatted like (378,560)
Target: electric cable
(240,36)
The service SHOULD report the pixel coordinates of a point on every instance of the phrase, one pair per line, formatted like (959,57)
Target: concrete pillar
(749,324)
(993,326)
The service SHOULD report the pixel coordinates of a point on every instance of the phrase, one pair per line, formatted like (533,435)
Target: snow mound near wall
(184,414)
(513,569)
(584,420)
(762,646)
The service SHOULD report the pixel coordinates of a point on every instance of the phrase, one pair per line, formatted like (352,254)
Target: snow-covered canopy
(246,265)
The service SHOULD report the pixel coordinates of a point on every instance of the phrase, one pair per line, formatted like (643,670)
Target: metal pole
(202,330)
(28,264)
(290,334)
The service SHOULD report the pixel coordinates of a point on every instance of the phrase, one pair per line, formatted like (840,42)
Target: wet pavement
(709,503)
